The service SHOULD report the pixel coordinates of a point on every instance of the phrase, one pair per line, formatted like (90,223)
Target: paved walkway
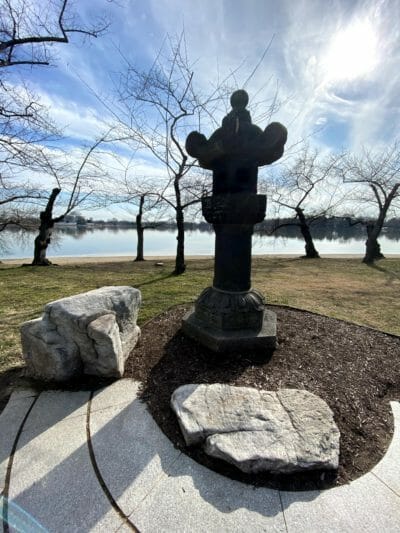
(77,461)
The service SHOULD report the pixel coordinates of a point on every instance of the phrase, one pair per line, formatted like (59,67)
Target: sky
(333,64)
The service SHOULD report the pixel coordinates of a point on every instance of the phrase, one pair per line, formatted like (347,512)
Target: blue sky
(335,63)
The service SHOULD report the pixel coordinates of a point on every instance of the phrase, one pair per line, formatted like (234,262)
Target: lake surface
(122,242)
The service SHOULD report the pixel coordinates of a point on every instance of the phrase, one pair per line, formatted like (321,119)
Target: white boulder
(90,333)
(285,431)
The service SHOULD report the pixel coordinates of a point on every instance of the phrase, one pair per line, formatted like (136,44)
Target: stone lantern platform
(224,340)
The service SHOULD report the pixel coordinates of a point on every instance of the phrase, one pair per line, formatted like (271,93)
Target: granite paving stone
(54,406)
(21,394)
(194,499)
(365,505)
(54,483)
(53,479)
(388,469)
(121,392)
(131,452)
(126,528)
(10,421)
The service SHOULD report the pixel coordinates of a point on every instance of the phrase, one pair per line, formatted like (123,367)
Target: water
(122,242)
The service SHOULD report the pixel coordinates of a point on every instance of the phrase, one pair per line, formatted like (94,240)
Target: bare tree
(24,219)
(141,194)
(28,31)
(29,28)
(306,186)
(377,175)
(78,181)
(156,110)
(24,128)
(140,227)
(146,203)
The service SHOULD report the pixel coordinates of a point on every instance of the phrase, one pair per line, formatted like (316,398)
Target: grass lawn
(341,288)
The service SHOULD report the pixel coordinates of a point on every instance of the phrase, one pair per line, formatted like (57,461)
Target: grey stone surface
(284,431)
(93,333)
(53,479)
(52,476)
(55,406)
(21,394)
(142,454)
(119,393)
(365,505)
(194,499)
(47,354)
(11,419)
(222,341)
(388,469)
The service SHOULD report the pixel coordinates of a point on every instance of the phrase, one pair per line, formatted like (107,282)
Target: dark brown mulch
(356,370)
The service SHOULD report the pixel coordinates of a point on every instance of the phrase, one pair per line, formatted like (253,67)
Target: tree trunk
(140,231)
(42,240)
(372,247)
(311,252)
(140,240)
(180,266)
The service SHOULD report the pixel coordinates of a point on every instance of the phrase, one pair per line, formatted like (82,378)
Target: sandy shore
(97,259)
(122,258)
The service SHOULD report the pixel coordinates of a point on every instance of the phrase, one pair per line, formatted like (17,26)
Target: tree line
(149,116)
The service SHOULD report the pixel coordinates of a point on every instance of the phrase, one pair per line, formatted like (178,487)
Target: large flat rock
(285,431)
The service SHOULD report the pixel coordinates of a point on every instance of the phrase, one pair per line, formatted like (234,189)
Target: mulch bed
(356,370)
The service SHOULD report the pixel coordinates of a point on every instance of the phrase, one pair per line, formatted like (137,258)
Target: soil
(355,369)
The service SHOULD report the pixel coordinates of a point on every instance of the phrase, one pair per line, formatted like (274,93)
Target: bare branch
(377,174)
(26,25)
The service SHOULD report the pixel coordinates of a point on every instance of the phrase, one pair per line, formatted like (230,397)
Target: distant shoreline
(67,260)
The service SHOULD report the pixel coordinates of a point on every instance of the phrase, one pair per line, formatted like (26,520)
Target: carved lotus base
(230,310)
(231,321)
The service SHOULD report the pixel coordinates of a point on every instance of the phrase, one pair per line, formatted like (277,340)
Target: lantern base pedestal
(224,341)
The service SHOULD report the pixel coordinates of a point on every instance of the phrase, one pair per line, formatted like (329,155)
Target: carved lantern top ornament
(236,150)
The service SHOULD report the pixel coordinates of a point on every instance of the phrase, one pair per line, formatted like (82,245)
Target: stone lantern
(230,315)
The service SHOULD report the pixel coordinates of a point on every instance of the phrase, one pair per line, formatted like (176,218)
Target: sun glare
(352,53)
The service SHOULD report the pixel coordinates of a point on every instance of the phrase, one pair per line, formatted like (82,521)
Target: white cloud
(77,121)
(309,41)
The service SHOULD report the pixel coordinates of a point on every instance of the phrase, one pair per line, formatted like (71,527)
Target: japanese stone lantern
(231,315)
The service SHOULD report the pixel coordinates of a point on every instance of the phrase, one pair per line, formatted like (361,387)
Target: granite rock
(285,431)
(90,333)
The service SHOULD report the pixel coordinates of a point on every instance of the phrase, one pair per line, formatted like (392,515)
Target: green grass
(341,288)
